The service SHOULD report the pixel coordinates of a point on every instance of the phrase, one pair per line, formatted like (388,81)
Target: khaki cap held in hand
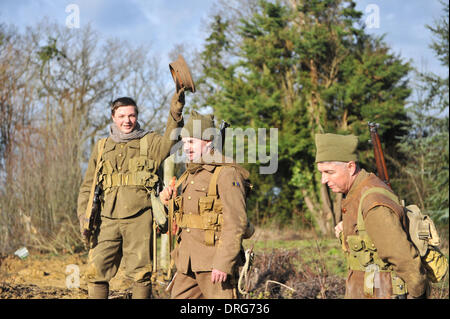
(181,75)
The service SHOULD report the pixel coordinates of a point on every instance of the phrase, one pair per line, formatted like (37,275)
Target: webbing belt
(197,221)
(130,179)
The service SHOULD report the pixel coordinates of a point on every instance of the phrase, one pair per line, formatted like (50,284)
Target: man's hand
(338,229)
(166,195)
(218,276)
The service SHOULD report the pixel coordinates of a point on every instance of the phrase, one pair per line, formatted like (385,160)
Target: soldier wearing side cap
(210,215)
(127,173)
(382,262)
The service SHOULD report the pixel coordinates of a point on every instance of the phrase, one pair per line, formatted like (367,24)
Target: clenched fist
(166,195)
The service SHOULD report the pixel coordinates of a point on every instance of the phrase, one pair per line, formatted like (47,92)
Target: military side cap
(197,124)
(181,74)
(336,148)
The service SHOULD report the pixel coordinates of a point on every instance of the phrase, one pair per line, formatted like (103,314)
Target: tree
(303,67)
(57,85)
(426,146)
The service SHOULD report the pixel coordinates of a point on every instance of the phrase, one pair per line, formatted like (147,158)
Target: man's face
(337,175)
(125,118)
(194,148)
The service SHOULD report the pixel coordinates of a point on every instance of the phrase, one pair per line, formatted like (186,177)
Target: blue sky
(163,24)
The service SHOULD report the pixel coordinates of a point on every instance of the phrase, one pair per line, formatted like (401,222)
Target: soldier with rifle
(382,262)
(114,204)
(209,216)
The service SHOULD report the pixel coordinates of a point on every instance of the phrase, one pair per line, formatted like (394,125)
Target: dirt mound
(47,276)
(30,291)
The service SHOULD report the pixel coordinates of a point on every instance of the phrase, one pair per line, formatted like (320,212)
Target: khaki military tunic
(385,225)
(194,259)
(126,215)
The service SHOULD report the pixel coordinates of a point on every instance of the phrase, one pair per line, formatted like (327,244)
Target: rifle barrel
(378,153)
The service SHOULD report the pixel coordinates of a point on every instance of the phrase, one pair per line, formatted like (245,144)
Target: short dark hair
(123,101)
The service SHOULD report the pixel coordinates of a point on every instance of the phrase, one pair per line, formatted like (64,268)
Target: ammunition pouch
(362,255)
(210,216)
(140,171)
(209,219)
(143,179)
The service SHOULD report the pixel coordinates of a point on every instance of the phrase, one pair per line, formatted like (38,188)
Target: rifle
(223,127)
(92,215)
(378,153)
(94,218)
(172,229)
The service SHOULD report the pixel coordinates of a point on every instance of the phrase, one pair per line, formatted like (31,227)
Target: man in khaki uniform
(211,218)
(129,162)
(382,262)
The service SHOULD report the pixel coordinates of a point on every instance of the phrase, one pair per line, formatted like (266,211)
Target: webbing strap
(143,146)
(212,189)
(380,190)
(181,179)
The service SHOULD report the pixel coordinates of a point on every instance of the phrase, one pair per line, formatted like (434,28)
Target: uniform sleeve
(85,189)
(160,146)
(384,228)
(232,194)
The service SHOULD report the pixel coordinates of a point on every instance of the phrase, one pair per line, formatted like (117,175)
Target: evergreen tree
(304,68)
(427,147)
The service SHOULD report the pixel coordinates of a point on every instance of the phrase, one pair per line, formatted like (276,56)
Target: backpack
(425,237)
(422,233)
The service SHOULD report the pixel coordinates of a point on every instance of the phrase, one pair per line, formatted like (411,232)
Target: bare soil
(275,274)
(45,276)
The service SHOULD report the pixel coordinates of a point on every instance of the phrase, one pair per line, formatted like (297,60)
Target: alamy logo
(260,146)
(73,19)
(373,16)
(73,277)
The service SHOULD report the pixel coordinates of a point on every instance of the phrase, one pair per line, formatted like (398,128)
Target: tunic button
(203,188)
(120,155)
(344,210)
(192,182)
(188,230)
(189,197)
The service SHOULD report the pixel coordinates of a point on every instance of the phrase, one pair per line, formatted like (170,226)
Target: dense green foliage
(426,147)
(303,69)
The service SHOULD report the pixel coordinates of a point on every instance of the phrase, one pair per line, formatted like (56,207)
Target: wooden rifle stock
(378,153)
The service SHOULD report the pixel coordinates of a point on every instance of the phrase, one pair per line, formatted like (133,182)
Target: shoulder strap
(181,179)
(212,189)
(379,190)
(143,146)
(101,146)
